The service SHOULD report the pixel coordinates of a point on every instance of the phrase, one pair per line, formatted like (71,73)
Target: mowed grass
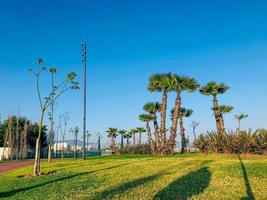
(189,176)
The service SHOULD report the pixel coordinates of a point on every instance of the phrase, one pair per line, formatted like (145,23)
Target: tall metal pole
(84,100)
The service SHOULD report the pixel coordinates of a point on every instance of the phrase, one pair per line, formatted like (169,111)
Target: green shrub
(140,149)
(242,142)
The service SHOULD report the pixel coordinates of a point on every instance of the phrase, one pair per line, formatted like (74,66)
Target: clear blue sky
(225,41)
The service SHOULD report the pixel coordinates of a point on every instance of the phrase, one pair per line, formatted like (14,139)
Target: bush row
(242,142)
(140,149)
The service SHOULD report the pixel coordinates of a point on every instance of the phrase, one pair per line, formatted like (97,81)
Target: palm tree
(153,108)
(133,132)
(239,118)
(161,83)
(213,89)
(122,133)
(223,109)
(194,125)
(112,133)
(127,135)
(178,85)
(183,113)
(147,118)
(140,131)
(75,132)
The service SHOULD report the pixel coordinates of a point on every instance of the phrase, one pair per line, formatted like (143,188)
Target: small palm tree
(161,83)
(223,109)
(147,118)
(133,132)
(153,108)
(140,131)
(112,133)
(213,89)
(194,125)
(239,118)
(178,85)
(122,133)
(75,132)
(183,113)
(127,135)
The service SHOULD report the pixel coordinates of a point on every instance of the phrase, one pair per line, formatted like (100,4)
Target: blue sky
(225,41)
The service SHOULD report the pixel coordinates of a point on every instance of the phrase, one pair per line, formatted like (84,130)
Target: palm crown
(146,117)
(186,112)
(122,132)
(241,116)
(224,109)
(141,130)
(213,88)
(159,82)
(181,83)
(152,107)
(112,132)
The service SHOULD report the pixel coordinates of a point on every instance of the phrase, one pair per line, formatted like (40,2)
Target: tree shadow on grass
(185,187)
(107,194)
(250,195)
(24,189)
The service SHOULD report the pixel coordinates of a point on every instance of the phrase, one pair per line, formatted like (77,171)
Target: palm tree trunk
(113,145)
(140,138)
(157,139)
(182,134)
(121,141)
(163,121)
(150,140)
(63,148)
(173,130)
(216,113)
(134,139)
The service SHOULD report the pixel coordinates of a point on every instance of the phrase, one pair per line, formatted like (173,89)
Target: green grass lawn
(190,176)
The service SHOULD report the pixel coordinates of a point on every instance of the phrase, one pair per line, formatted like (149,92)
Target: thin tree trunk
(140,138)
(63,148)
(163,121)
(173,130)
(150,140)
(37,168)
(182,134)
(194,132)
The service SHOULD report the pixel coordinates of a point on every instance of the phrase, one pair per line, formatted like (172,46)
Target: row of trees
(114,132)
(166,83)
(18,135)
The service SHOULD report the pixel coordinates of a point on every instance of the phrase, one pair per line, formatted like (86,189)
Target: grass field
(190,176)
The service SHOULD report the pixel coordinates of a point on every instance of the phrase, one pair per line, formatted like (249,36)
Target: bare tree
(67,83)
(63,122)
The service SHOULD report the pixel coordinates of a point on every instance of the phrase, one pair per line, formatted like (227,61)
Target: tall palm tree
(194,125)
(213,89)
(178,85)
(122,133)
(140,131)
(239,118)
(223,109)
(147,118)
(153,108)
(161,83)
(183,113)
(112,133)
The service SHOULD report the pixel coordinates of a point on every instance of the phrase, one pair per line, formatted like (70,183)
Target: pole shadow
(186,186)
(250,195)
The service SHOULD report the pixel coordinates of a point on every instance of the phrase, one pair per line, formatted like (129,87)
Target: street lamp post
(84,100)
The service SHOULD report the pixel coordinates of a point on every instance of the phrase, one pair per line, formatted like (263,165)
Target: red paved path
(5,167)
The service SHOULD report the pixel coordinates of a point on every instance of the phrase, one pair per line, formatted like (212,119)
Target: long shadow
(107,194)
(250,195)
(13,192)
(187,186)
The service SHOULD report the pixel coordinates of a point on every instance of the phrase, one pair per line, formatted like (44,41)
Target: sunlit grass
(190,176)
